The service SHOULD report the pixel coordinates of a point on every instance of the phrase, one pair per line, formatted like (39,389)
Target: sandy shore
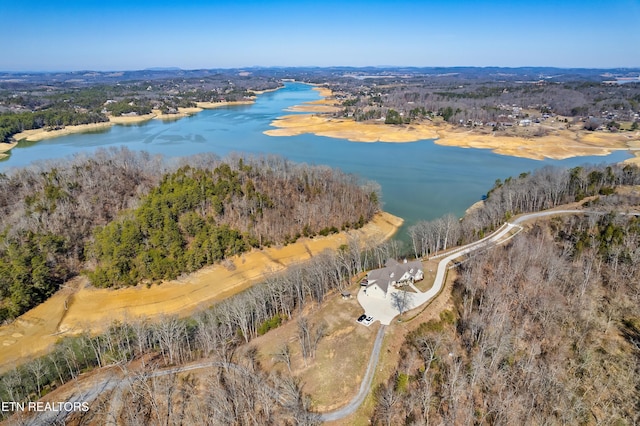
(324,105)
(78,307)
(558,145)
(635,146)
(36,135)
(260,92)
(351,130)
(563,144)
(213,105)
(182,112)
(4,147)
(131,119)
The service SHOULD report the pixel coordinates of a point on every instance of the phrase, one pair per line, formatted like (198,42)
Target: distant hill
(163,69)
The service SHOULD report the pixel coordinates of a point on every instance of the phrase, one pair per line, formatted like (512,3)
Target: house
(394,274)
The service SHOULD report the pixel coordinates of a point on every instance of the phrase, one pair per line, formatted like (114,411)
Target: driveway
(385,310)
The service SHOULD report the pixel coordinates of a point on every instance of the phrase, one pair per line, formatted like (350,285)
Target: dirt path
(79,307)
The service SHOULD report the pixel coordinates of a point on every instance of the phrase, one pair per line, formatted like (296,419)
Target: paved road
(385,310)
(113,383)
(500,236)
(531,216)
(355,403)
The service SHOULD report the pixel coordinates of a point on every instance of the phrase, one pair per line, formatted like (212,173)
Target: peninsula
(552,138)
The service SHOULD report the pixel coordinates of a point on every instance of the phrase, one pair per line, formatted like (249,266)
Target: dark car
(361,317)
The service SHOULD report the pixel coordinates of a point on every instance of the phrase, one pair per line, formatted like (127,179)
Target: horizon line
(173,68)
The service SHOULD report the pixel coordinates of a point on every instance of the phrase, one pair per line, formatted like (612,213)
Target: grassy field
(333,377)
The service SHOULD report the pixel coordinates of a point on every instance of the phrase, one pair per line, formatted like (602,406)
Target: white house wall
(375,291)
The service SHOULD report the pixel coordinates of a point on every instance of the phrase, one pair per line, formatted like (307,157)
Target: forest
(545,188)
(491,102)
(544,331)
(12,123)
(494,98)
(126,217)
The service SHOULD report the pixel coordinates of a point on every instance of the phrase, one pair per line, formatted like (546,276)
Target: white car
(367,321)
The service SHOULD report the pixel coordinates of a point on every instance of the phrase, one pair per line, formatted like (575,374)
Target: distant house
(393,274)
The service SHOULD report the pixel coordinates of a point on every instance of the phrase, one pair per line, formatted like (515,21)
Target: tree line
(52,104)
(13,123)
(529,192)
(59,215)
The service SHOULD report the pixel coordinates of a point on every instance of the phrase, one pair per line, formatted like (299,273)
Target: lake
(419,180)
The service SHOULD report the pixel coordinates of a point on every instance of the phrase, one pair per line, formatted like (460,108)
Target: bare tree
(283,355)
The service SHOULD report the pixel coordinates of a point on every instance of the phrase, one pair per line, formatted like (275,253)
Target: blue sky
(125,35)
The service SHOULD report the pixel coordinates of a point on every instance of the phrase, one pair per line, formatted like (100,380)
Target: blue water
(419,180)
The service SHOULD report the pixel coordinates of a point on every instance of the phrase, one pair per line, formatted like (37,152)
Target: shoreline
(38,135)
(559,145)
(6,147)
(214,105)
(78,307)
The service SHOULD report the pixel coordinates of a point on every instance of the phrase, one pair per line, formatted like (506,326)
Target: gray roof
(392,272)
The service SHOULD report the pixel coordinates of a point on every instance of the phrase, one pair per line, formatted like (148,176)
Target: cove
(419,180)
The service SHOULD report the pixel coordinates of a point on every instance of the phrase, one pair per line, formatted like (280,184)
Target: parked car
(362,318)
(367,321)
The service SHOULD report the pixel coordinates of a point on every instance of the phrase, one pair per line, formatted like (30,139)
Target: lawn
(429,267)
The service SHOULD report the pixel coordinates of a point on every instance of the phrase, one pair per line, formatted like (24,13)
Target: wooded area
(491,97)
(12,123)
(487,101)
(545,331)
(139,217)
(216,334)
(530,192)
